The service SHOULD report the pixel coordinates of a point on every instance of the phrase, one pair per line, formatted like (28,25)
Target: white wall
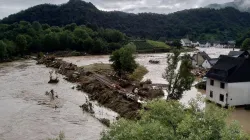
(216,92)
(239,94)
(206,65)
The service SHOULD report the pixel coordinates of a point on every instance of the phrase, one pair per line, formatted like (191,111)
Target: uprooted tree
(173,121)
(124,60)
(178,75)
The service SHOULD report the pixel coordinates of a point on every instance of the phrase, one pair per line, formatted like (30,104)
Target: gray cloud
(8,7)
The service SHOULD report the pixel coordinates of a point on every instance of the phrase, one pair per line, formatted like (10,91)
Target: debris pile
(154,61)
(199,72)
(97,87)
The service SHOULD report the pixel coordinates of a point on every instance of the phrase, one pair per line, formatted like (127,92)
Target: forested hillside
(23,38)
(198,24)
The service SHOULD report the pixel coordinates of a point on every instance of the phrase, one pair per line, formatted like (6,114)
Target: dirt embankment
(97,90)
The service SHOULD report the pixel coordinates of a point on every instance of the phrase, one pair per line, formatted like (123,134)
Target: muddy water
(155,74)
(27,114)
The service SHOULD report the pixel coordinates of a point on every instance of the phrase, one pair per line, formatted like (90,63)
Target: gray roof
(213,61)
(187,41)
(230,69)
(238,53)
(204,55)
(232,42)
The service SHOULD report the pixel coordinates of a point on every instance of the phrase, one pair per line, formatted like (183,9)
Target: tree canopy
(180,78)
(199,24)
(24,37)
(171,120)
(123,60)
(246,44)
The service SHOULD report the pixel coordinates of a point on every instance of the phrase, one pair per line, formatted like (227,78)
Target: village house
(204,44)
(209,63)
(199,58)
(231,44)
(228,81)
(186,42)
(195,44)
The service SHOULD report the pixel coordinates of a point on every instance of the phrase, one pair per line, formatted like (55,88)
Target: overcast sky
(8,7)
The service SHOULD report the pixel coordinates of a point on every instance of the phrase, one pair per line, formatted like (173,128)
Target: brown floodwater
(27,114)
(155,74)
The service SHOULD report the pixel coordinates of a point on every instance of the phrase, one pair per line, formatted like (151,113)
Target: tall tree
(173,121)
(3,51)
(246,44)
(123,60)
(179,78)
(21,43)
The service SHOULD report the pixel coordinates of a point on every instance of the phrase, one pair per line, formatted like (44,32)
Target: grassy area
(138,74)
(99,67)
(158,44)
(150,46)
(143,45)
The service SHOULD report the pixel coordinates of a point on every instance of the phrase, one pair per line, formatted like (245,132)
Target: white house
(209,63)
(228,81)
(186,42)
(199,58)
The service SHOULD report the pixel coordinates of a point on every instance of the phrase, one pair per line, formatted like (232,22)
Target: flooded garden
(27,113)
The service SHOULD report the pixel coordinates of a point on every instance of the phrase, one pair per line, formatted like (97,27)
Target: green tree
(123,60)
(180,78)
(172,120)
(177,44)
(51,42)
(36,26)
(246,44)
(21,43)
(80,33)
(3,51)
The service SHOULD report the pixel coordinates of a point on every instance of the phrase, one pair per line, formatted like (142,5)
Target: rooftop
(230,69)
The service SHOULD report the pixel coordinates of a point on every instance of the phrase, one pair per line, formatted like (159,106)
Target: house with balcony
(228,82)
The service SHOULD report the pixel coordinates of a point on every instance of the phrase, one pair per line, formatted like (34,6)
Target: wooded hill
(198,24)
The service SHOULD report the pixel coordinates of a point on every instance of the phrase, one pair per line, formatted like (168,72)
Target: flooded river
(25,114)
(156,71)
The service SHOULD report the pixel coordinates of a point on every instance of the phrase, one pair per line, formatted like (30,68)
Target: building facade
(228,81)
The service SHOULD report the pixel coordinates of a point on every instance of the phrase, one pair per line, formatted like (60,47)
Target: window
(211,94)
(222,85)
(221,97)
(211,82)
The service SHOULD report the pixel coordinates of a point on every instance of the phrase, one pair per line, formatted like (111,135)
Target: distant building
(231,44)
(207,64)
(228,81)
(199,58)
(204,44)
(186,43)
(195,43)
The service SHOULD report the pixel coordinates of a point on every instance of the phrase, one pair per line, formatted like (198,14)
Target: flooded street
(24,116)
